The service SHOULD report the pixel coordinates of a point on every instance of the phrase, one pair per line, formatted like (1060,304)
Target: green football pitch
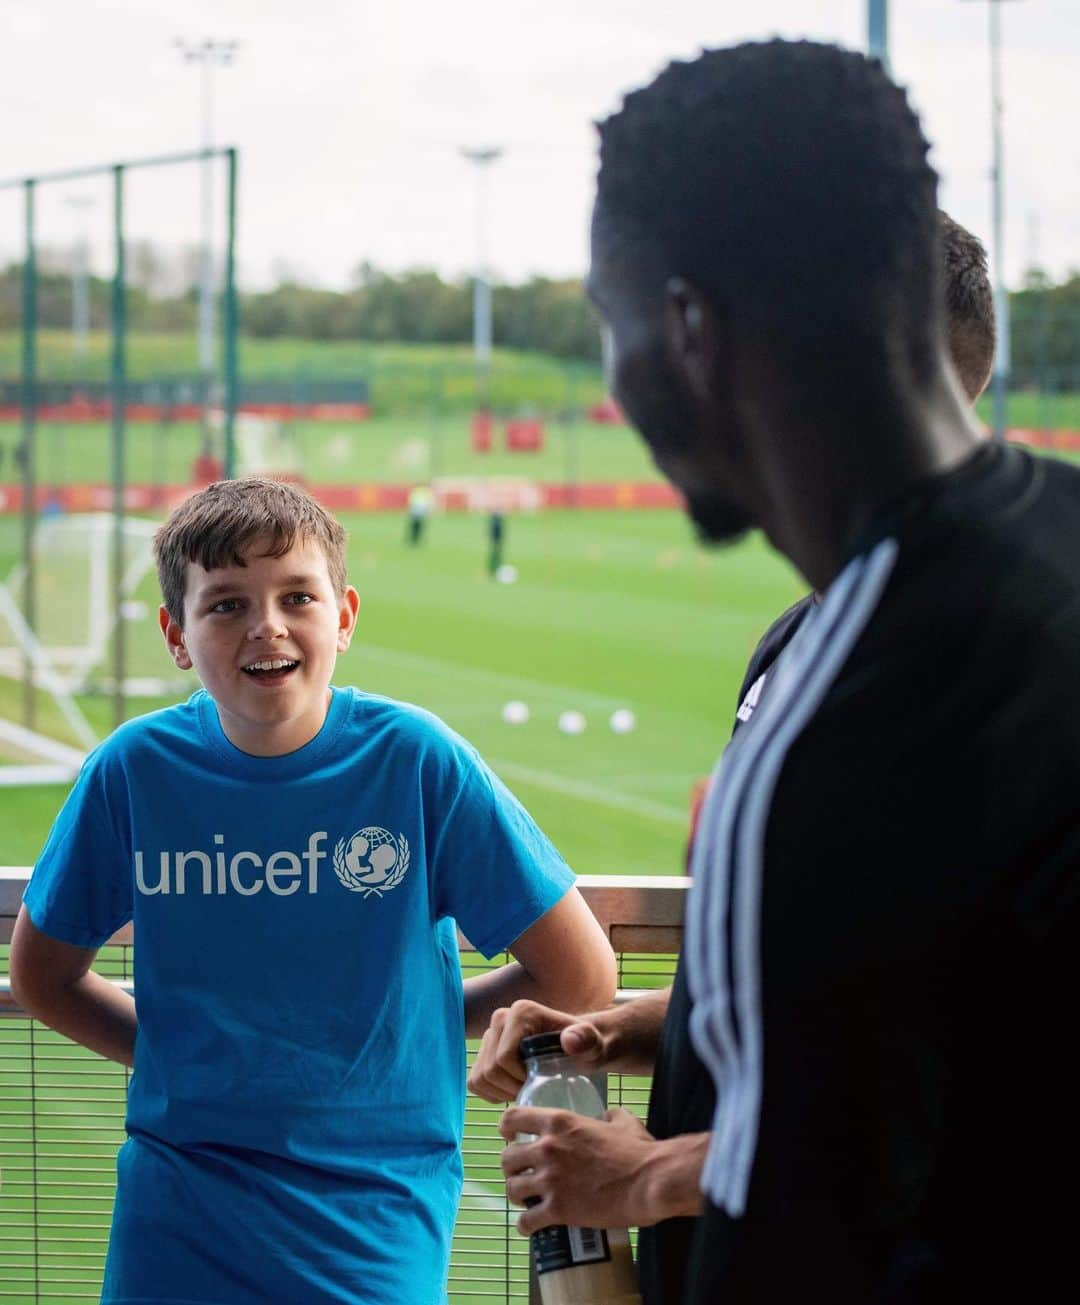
(381,450)
(610,610)
(399,449)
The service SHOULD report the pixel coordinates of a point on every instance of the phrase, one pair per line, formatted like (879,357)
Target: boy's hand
(497,1073)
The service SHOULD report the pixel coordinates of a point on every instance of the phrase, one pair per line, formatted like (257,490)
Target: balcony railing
(62,1118)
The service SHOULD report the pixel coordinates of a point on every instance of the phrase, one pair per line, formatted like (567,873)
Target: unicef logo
(371,861)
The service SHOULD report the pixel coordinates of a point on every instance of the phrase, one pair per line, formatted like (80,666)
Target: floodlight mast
(997,185)
(877,31)
(80,278)
(482,158)
(208,54)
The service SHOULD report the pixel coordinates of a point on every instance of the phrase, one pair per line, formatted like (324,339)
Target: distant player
(496,540)
(296,859)
(421,501)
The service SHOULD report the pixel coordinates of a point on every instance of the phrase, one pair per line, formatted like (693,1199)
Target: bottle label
(562,1248)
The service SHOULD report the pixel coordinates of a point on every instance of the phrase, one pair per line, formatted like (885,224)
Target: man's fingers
(522,1188)
(583,1041)
(492,1084)
(533,1119)
(623,1118)
(535,1217)
(522,1020)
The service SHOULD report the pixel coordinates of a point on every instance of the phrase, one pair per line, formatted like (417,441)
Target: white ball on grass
(515,713)
(623,720)
(572,722)
(506,574)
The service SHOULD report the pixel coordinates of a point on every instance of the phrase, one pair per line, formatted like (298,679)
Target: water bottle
(574,1266)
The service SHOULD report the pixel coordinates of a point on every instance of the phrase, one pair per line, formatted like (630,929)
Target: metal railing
(62,1118)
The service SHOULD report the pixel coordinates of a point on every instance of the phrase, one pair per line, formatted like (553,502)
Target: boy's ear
(174,639)
(350,605)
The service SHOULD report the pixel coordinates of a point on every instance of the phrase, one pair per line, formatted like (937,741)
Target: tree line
(548,315)
(544,314)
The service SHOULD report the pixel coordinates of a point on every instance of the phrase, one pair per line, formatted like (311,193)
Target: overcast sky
(349,115)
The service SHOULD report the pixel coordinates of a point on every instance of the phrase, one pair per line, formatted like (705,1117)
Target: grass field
(391,449)
(400,376)
(610,610)
(385,450)
(403,378)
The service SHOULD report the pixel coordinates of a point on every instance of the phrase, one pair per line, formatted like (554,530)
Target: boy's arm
(53,981)
(563,960)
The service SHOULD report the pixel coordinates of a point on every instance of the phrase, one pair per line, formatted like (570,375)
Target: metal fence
(62,1119)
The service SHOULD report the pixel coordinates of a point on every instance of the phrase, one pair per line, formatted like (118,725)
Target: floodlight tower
(997,185)
(80,277)
(877,31)
(208,54)
(482,158)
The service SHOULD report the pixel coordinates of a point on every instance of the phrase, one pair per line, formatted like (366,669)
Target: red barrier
(206,469)
(83,410)
(480,432)
(613,495)
(524,435)
(607,413)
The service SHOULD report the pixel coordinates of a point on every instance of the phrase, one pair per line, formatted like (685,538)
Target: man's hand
(621,1040)
(609,1173)
(497,1073)
(580,1171)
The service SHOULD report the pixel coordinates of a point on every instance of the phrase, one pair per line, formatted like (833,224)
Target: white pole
(208,54)
(877,31)
(206,261)
(999,385)
(482,328)
(80,274)
(1001,294)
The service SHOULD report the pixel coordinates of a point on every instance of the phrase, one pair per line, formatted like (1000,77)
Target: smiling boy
(295,858)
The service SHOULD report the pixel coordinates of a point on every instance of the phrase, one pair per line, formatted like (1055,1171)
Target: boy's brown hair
(219,525)
(969,306)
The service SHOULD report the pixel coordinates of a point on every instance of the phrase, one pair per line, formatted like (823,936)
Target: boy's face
(263,639)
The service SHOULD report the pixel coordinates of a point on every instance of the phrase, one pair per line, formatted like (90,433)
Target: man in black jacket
(881,937)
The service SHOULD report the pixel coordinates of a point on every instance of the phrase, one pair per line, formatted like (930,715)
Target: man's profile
(886,901)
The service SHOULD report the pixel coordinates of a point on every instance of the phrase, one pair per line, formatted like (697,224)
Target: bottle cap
(540,1044)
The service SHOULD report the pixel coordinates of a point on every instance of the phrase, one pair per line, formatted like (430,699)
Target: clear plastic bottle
(575,1266)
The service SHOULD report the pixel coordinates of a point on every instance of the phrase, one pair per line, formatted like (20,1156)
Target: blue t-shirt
(296,1107)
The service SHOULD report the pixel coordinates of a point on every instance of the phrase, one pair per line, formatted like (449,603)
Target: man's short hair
(219,525)
(969,306)
(789,181)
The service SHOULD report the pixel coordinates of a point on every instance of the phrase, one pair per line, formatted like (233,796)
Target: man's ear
(174,639)
(350,605)
(692,335)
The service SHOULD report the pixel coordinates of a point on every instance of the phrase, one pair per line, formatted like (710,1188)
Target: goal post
(116,175)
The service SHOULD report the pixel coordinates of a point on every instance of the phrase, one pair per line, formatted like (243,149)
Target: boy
(294,858)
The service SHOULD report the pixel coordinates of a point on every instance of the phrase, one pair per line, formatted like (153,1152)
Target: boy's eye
(299,600)
(224,605)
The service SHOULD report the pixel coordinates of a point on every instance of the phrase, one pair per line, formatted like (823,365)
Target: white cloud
(349,115)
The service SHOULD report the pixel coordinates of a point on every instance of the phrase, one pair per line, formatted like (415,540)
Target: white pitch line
(590,792)
(478,1192)
(440,665)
